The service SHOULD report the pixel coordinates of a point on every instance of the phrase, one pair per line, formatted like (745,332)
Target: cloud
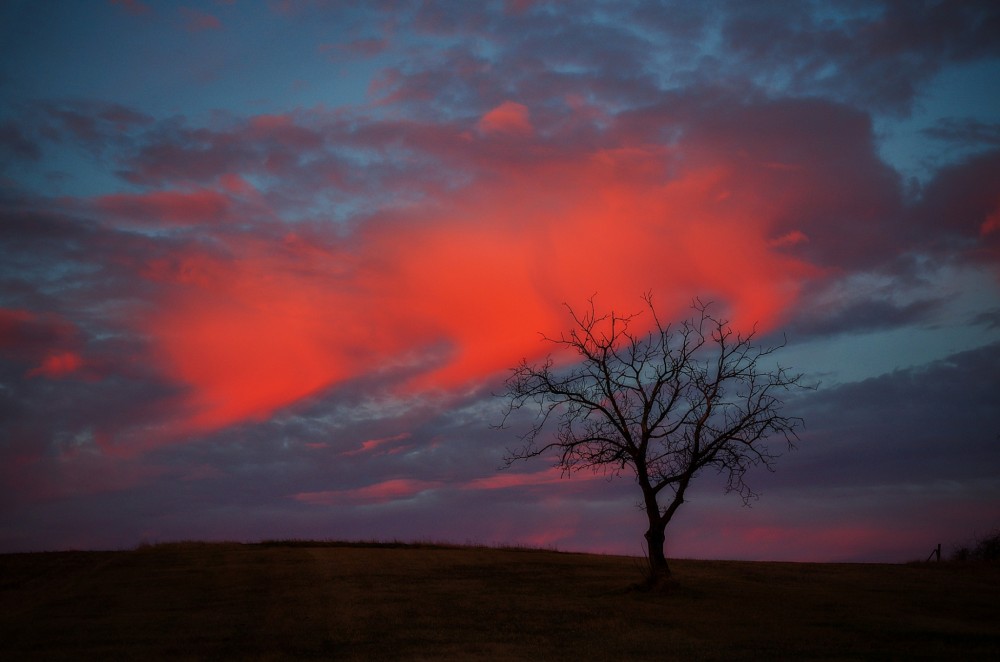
(747,205)
(58,365)
(363,47)
(458,289)
(988,318)
(965,131)
(509,118)
(874,54)
(45,341)
(830,185)
(956,208)
(173,153)
(790,238)
(229,292)
(858,315)
(97,126)
(133,7)
(404,489)
(936,421)
(370,445)
(389,490)
(15,142)
(172,207)
(991,224)
(512,480)
(23,331)
(198,21)
(436,285)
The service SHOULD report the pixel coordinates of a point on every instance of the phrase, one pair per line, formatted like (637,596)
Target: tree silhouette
(664,405)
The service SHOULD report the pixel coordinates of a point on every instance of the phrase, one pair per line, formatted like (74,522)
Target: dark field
(273,601)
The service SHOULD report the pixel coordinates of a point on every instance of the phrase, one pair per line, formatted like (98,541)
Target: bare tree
(664,404)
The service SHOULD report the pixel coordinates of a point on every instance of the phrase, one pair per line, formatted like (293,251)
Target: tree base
(659,582)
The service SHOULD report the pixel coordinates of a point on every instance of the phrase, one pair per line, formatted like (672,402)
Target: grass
(296,599)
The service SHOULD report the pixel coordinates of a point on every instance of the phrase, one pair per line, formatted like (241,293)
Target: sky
(264,265)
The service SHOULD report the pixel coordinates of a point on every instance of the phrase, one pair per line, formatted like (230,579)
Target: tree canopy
(663,403)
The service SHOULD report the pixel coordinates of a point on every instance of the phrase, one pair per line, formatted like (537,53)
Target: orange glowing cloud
(458,291)
(509,118)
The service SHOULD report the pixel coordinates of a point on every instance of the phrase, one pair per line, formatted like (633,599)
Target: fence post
(936,553)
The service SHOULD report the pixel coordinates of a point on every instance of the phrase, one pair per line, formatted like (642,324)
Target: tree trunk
(659,569)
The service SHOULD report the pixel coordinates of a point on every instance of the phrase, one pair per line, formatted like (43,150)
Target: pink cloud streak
(509,118)
(371,445)
(396,489)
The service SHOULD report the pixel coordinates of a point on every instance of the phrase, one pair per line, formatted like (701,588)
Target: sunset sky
(263,264)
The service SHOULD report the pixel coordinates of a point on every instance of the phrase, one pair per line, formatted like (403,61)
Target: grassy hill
(315,600)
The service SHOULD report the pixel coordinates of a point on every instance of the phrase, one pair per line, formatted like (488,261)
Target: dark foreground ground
(274,601)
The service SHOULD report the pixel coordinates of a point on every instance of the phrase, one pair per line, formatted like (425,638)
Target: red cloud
(508,118)
(457,291)
(236,185)
(58,365)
